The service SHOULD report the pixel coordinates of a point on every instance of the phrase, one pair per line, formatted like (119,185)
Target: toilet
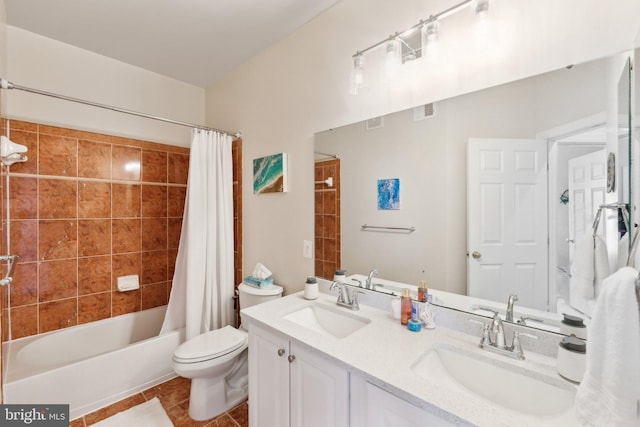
(216,361)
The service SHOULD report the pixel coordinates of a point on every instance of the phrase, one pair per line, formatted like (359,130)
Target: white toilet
(216,361)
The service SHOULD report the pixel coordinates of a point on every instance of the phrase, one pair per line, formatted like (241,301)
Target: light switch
(307,249)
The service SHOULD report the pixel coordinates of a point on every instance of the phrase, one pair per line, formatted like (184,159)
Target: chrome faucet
(372,273)
(512,299)
(496,332)
(346,299)
(493,339)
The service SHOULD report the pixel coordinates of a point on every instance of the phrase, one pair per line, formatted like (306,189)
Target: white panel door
(587,191)
(507,220)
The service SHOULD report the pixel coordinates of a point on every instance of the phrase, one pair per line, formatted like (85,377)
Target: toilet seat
(211,345)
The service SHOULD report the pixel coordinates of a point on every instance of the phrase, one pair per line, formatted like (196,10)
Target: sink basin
(503,384)
(328,321)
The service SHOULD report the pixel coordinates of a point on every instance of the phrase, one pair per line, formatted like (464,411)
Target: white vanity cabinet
(292,386)
(372,406)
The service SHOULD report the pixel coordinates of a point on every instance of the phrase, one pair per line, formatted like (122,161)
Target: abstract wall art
(389,194)
(270,174)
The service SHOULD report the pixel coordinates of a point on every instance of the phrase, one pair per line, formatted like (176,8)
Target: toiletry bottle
(405,307)
(422,291)
(414,324)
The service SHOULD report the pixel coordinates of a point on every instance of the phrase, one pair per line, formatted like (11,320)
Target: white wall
(3,49)
(281,97)
(49,65)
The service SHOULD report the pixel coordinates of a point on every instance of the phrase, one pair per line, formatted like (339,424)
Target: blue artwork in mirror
(389,194)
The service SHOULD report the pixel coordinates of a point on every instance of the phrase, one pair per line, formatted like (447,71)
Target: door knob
(291,358)
(476,254)
(281,352)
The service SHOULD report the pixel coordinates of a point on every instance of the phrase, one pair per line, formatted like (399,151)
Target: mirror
(421,155)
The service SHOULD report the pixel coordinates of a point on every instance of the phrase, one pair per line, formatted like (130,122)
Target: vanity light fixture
(392,58)
(430,31)
(358,78)
(482,8)
(402,44)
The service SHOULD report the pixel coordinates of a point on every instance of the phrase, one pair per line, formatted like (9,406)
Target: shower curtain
(202,291)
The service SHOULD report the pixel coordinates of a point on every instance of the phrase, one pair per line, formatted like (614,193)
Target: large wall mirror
(493,187)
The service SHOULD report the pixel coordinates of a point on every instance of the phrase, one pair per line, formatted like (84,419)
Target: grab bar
(367,227)
(12,260)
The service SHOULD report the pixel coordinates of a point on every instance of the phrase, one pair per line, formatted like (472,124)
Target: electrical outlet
(307,249)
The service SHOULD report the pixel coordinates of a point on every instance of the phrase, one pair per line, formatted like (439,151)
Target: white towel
(610,390)
(589,268)
(623,251)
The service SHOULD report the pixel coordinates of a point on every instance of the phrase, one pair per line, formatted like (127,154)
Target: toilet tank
(250,295)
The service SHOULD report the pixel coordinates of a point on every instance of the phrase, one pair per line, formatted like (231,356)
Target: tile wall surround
(87,208)
(327,218)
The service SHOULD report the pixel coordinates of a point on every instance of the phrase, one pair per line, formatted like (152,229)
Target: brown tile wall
(85,209)
(237,209)
(327,219)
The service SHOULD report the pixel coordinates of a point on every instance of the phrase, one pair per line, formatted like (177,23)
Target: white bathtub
(92,365)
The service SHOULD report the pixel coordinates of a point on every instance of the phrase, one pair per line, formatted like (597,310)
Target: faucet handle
(516,346)
(341,290)
(355,305)
(485,340)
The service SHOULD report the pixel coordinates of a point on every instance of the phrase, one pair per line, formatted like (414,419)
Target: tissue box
(257,283)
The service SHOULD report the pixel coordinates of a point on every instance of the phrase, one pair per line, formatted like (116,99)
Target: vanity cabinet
(372,406)
(290,385)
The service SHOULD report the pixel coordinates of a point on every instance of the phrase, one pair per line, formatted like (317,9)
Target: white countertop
(383,351)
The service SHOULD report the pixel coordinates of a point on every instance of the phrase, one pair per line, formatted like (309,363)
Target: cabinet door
(372,406)
(268,379)
(319,391)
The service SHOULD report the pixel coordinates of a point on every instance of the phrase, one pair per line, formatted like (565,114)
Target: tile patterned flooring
(174,396)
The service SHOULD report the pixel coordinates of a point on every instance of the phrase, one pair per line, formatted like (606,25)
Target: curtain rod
(5,84)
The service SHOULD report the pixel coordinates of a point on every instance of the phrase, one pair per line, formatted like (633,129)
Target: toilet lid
(210,345)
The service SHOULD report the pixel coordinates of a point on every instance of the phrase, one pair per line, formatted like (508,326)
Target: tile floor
(174,396)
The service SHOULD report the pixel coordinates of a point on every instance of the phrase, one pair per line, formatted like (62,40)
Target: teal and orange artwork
(270,174)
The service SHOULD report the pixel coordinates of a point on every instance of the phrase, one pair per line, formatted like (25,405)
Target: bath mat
(148,414)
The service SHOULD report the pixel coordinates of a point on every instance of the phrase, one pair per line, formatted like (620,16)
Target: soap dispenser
(311,288)
(572,358)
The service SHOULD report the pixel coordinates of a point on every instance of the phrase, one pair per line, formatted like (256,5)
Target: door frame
(552,136)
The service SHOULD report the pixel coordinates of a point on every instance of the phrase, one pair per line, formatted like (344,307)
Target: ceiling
(195,41)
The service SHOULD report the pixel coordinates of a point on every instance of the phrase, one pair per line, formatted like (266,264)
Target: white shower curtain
(202,291)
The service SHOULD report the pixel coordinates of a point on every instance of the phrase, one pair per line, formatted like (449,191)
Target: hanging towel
(589,268)
(610,390)
(623,251)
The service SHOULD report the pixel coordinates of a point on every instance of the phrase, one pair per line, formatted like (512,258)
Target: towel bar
(367,227)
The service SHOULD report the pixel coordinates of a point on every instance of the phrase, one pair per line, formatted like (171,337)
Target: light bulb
(430,33)
(392,60)
(358,77)
(482,8)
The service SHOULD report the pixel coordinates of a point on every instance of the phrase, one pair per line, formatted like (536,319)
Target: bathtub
(92,365)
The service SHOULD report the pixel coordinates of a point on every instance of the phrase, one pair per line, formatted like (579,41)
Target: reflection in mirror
(420,155)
